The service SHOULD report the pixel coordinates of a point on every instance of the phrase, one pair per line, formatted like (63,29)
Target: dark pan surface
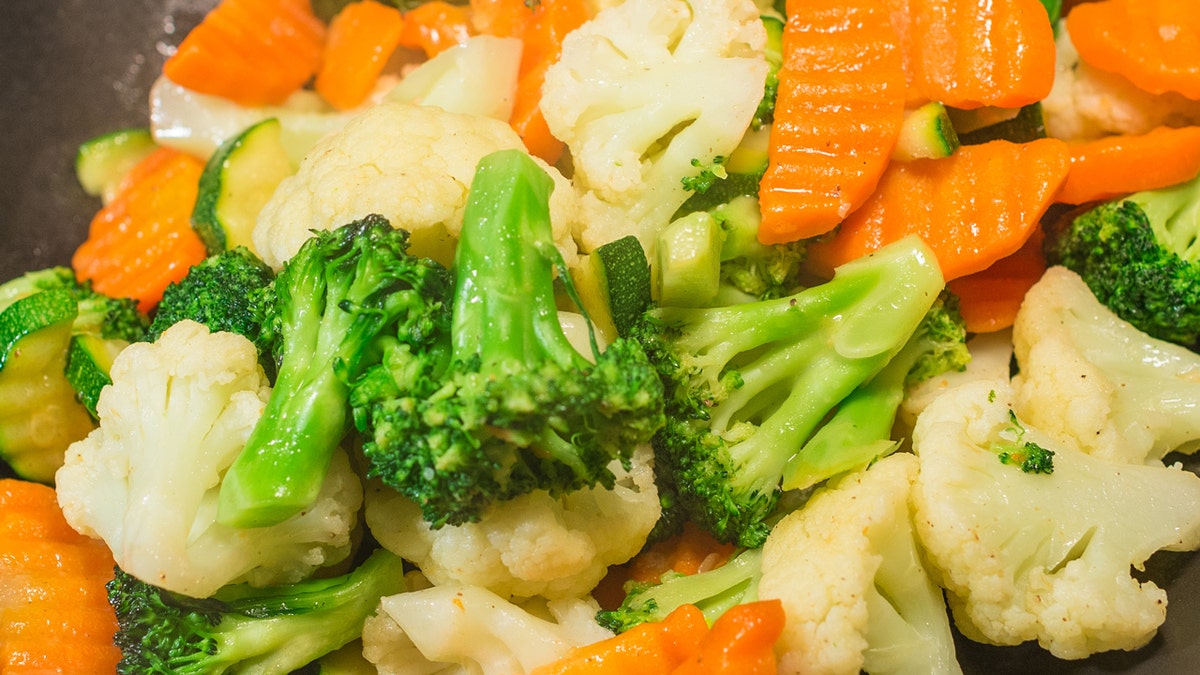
(74,69)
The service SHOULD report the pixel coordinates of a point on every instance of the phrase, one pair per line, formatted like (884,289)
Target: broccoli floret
(713,591)
(860,430)
(1012,448)
(225,292)
(508,406)
(333,302)
(245,629)
(1139,255)
(747,384)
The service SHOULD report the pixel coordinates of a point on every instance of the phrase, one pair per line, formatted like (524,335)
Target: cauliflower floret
(411,164)
(532,545)
(146,480)
(642,90)
(467,630)
(1087,103)
(849,574)
(1042,556)
(991,356)
(1090,379)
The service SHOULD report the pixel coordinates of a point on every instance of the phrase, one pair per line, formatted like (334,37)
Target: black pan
(74,69)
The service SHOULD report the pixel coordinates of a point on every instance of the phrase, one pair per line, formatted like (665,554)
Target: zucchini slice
(102,162)
(613,283)
(927,133)
(89,360)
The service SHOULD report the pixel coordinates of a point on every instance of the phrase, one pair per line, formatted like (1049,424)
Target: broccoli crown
(1139,257)
(939,344)
(713,591)
(277,629)
(504,405)
(225,292)
(344,295)
(747,384)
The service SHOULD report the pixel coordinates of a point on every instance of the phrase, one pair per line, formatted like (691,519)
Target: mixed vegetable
(616,336)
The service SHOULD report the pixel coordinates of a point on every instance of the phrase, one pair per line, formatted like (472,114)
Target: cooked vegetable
(989,299)
(1118,165)
(102,162)
(360,40)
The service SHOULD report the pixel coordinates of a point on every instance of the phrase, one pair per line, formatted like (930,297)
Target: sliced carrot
(143,240)
(973,208)
(646,649)
(1116,165)
(54,611)
(741,642)
(989,299)
(253,52)
(502,18)
(692,550)
(435,26)
(1155,44)
(972,53)
(360,40)
(838,112)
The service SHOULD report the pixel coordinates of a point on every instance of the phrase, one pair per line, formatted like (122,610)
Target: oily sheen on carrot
(1155,44)
(359,42)
(973,208)
(972,53)
(253,52)
(989,299)
(647,649)
(434,27)
(838,113)
(143,240)
(54,614)
(1116,165)
(741,642)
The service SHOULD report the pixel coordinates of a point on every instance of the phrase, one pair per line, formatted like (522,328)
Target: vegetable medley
(562,337)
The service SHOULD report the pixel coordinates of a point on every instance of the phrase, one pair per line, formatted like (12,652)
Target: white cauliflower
(642,90)
(532,545)
(146,480)
(1045,556)
(991,356)
(1088,378)
(478,77)
(467,630)
(411,164)
(1087,103)
(855,591)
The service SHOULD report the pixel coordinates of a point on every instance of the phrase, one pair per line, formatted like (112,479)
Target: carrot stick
(973,208)
(646,649)
(360,40)
(838,112)
(741,642)
(1155,44)
(253,52)
(972,53)
(434,27)
(1116,165)
(54,611)
(989,299)
(143,239)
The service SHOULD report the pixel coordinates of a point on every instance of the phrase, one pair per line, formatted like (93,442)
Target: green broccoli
(1141,258)
(334,301)
(713,591)
(244,629)
(748,384)
(860,430)
(225,292)
(506,405)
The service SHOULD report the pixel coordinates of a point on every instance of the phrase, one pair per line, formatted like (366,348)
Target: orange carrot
(838,113)
(689,552)
(1116,165)
(989,299)
(1155,44)
(54,612)
(143,240)
(435,26)
(647,649)
(254,52)
(741,642)
(360,40)
(973,208)
(972,53)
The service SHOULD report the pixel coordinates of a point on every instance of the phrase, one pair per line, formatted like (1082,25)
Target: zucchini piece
(39,413)
(687,269)
(237,181)
(102,162)
(1021,125)
(89,360)
(613,283)
(927,133)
